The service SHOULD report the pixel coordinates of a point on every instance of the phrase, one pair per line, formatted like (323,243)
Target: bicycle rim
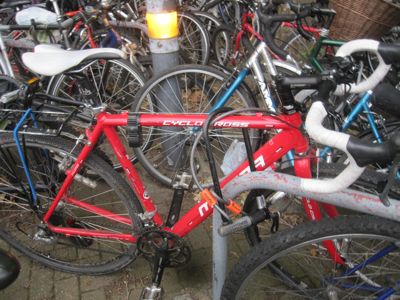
(194,42)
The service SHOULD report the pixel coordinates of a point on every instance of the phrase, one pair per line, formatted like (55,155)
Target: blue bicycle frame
(361,106)
(382,291)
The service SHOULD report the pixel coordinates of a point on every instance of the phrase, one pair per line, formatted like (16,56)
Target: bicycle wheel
(222,42)
(98,185)
(296,264)
(191,89)
(110,82)
(194,42)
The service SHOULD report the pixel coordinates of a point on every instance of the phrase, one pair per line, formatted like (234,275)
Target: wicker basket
(363,18)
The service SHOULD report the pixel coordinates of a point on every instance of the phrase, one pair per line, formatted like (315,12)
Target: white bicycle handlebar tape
(338,140)
(376,77)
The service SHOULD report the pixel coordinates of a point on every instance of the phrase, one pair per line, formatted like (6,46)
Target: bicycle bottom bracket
(154,242)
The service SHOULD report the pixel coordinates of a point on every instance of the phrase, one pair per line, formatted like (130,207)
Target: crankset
(155,241)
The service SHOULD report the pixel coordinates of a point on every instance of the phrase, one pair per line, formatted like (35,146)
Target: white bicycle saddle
(50,60)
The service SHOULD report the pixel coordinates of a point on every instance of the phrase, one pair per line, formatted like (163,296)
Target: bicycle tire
(296,274)
(19,223)
(222,42)
(200,86)
(195,51)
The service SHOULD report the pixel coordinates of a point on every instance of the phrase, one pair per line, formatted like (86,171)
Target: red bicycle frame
(288,138)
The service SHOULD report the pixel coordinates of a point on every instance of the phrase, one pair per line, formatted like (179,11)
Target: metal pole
(220,254)
(165,55)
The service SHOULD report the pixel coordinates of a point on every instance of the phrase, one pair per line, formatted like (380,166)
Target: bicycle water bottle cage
(134,131)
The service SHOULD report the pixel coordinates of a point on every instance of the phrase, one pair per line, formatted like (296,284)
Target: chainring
(154,240)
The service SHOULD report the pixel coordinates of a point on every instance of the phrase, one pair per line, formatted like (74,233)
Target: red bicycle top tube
(258,120)
(196,120)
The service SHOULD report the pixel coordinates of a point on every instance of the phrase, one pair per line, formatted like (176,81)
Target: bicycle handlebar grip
(376,77)
(236,226)
(338,140)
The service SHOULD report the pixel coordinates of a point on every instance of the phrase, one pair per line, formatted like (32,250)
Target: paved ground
(192,281)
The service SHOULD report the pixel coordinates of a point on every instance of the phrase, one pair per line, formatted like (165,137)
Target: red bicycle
(76,203)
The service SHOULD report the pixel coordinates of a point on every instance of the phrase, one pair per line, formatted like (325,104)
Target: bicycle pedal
(152,293)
